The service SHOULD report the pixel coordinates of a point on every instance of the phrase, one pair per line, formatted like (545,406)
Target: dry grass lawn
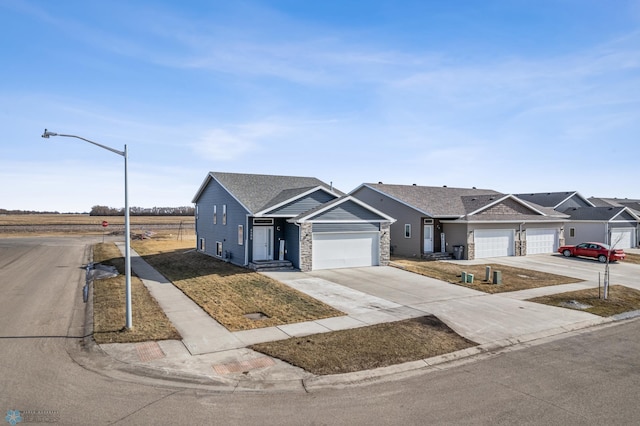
(85,219)
(632,258)
(109,312)
(228,292)
(368,347)
(620,299)
(513,279)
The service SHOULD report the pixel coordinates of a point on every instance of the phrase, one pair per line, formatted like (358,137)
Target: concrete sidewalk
(210,354)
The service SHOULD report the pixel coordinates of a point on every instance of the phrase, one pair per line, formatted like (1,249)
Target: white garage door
(541,241)
(344,250)
(622,238)
(493,242)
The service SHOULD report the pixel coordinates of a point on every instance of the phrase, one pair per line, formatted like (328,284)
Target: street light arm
(47,134)
(127,226)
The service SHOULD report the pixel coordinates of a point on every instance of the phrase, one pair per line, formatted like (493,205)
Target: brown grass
(85,219)
(513,279)
(620,299)
(368,347)
(228,292)
(632,258)
(109,312)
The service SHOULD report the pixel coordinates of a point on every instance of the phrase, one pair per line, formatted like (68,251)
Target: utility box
(497,277)
(463,277)
(458,252)
(470,278)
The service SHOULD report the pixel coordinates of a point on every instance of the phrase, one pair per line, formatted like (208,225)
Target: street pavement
(211,355)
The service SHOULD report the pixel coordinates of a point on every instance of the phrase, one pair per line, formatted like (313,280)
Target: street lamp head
(47,133)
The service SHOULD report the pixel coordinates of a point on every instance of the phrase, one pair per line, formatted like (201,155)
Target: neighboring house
(610,221)
(634,205)
(617,226)
(559,201)
(479,222)
(256,220)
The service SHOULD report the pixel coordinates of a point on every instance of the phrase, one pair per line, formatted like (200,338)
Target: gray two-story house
(254,220)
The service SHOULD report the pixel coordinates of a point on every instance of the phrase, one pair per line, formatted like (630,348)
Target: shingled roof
(439,201)
(596,213)
(259,192)
(547,199)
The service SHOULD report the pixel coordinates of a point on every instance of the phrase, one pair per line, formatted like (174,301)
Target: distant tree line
(5,211)
(142,211)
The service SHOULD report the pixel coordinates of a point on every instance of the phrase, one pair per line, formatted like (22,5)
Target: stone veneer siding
(306,247)
(385,244)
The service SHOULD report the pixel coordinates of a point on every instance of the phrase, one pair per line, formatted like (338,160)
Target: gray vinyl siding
(345,227)
(292,244)
(400,246)
(303,204)
(212,195)
(585,232)
(573,202)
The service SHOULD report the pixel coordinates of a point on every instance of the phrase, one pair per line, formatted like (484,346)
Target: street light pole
(127,229)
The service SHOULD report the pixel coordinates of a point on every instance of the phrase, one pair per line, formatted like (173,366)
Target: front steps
(271,265)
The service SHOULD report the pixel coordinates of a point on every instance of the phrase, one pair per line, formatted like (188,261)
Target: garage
(622,238)
(493,242)
(345,250)
(541,241)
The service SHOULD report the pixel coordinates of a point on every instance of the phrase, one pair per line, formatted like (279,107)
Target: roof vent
(444,186)
(379,183)
(473,187)
(414,184)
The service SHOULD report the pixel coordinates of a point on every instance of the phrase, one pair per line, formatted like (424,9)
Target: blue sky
(515,96)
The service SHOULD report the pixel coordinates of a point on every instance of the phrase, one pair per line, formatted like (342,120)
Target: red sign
(105,223)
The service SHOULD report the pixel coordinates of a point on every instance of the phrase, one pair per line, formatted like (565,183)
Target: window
(215,214)
(201,244)
(224,214)
(197,211)
(572,232)
(240,234)
(407,230)
(218,248)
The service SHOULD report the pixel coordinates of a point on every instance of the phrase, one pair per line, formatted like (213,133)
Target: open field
(513,279)
(12,225)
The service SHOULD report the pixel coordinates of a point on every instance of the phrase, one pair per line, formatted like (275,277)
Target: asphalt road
(585,378)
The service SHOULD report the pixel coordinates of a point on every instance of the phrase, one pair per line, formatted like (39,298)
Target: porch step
(437,256)
(271,265)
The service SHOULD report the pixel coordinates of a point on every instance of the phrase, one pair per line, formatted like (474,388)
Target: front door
(262,243)
(428,239)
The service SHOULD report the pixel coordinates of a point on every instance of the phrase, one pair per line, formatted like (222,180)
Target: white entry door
(428,239)
(263,243)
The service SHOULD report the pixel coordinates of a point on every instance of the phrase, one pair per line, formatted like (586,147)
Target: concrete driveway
(480,317)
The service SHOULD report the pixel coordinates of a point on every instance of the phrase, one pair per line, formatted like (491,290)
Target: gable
(301,205)
(507,207)
(626,216)
(347,211)
(573,202)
